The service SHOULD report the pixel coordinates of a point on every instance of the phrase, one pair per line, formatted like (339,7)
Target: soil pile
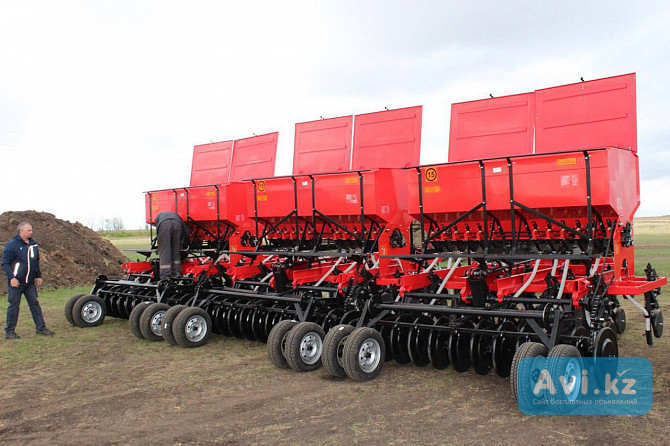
(70,253)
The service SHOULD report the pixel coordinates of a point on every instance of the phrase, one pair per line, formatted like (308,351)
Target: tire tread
(292,349)
(275,339)
(179,327)
(330,346)
(79,305)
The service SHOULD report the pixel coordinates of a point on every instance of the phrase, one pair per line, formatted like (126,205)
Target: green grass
(654,249)
(140,241)
(32,348)
(125,233)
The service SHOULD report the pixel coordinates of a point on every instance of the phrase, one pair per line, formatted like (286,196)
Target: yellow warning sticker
(351,180)
(210,194)
(262,198)
(432,189)
(566,162)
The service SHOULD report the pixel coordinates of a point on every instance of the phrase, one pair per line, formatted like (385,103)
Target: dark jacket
(21,260)
(165,216)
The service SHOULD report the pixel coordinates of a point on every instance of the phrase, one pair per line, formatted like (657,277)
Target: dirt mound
(70,253)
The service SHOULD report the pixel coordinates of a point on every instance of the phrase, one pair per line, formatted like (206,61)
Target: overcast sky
(100,101)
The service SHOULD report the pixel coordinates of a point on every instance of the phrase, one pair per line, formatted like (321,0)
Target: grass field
(103,386)
(128,240)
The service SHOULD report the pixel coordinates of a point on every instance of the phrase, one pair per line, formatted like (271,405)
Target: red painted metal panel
(323,146)
(211,163)
(337,195)
(254,157)
(199,203)
(275,197)
(554,184)
(493,127)
(387,139)
(203,206)
(171,200)
(599,113)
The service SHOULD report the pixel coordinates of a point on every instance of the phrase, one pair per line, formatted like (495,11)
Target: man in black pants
(21,262)
(172,234)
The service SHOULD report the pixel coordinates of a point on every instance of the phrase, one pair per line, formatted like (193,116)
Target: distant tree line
(106,224)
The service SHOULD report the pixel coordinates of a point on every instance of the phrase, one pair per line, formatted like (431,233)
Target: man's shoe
(12,335)
(45,332)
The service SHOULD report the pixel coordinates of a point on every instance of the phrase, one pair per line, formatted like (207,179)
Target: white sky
(100,101)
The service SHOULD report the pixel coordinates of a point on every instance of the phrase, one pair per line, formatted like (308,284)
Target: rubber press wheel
(333,348)
(69,305)
(168,321)
(363,354)
(89,311)
(134,318)
(151,322)
(276,343)
(619,320)
(192,327)
(657,323)
(525,369)
(304,346)
(565,361)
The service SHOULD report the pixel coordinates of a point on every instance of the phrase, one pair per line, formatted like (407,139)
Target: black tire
(276,342)
(168,322)
(565,358)
(151,322)
(619,320)
(69,305)
(192,327)
(333,348)
(304,347)
(526,350)
(134,318)
(363,354)
(89,311)
(657,323)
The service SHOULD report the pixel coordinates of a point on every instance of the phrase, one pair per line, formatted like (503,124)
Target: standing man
(21,262)
(171,234)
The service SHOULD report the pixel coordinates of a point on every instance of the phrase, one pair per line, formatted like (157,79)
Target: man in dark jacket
(21,262)
(172,235)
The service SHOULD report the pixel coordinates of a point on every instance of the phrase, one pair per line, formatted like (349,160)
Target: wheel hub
(369,355)
(572,374)
(91,312)
(157,323)
(196,328)
(311,347)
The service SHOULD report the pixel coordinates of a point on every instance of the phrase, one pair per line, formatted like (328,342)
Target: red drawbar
(211,163)
(323,146)
(387,139)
